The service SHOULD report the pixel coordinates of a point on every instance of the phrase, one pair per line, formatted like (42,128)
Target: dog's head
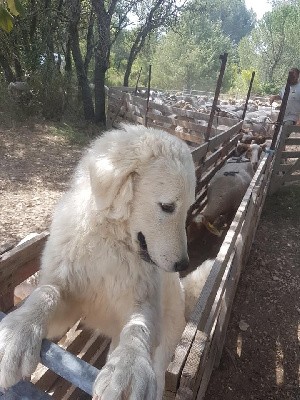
(146,177)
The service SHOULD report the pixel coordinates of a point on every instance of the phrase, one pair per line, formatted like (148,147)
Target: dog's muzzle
(177,267)
(181,265)
(143,248)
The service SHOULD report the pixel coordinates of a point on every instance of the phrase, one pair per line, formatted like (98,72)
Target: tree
(273,48)
(81,68)
(9,10)
(236,20)
(188,58)
(151,15)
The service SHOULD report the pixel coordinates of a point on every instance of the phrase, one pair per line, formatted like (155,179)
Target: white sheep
(250,151)
(225,192)
(20,91)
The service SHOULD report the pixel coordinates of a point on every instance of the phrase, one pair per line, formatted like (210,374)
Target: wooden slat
(199,152)
(222,152)
(182,135)
(205,301)
(19,255)
(17,265)
(241,254)
(226,135)
(290,154)
(191,373)
(291,129)
(293,141)
(289,168)
(197,357)
(277,179)
(292,178)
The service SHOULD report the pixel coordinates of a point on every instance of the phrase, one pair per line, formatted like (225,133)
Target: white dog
(117,242)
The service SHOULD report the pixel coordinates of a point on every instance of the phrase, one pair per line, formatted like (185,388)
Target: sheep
(20,91)
(251,151)
(225,192)
(266,145)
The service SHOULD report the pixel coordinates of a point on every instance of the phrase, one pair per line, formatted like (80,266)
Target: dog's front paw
(20,345)
(128,374)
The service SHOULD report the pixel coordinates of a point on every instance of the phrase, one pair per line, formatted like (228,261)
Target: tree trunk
(134,51)
(102,53)
(68,67)
(8,72)
(99,80)
(18,69)
(130,61)
(88,107)
(83,82)
(89,41)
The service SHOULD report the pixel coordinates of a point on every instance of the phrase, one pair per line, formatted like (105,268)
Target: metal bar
(137,81)
(223,58)
(67,365)
(278,123)
(24,390)
(248,95)
(148,94)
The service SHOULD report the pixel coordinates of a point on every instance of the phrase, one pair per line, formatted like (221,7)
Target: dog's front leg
(22,332)
(128,373)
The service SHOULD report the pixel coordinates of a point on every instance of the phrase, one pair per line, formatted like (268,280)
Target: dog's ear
(112,185)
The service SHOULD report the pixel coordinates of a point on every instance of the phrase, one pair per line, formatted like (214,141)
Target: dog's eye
(168,208)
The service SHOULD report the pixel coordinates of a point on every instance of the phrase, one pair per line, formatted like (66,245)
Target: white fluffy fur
(92,268)
(193,285)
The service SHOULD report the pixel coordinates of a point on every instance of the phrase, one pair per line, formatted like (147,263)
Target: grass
(75,133)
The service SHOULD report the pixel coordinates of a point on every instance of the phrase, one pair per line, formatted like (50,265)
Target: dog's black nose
(181,265)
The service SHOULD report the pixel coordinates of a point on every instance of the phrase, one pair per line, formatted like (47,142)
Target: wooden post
(223,58)
(248,95)
(148,94)
(278,123)
(137,81)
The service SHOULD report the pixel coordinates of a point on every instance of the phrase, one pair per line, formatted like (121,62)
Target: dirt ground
(261,357)
(35,167)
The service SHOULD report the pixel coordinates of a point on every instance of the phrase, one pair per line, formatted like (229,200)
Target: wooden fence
(83,353)
(202,340)
(189,125)
(287,159)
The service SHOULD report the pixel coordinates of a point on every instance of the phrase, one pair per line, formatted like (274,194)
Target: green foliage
(9,10)
(74,134)
(270,88)
(189,57)
(184,52)
(235,19)
(15,7)
(273,46)
(6,19)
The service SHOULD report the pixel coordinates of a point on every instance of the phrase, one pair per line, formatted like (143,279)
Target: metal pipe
(278,123)
(137,81)
(223,58)
(148,94)
(248,95)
